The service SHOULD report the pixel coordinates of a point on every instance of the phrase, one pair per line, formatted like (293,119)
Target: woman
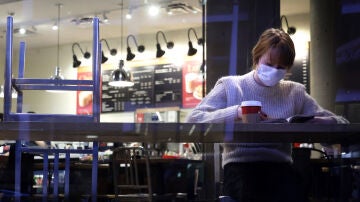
(262,171)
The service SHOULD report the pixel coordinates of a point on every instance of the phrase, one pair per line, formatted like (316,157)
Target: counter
(180,132)
(347,134)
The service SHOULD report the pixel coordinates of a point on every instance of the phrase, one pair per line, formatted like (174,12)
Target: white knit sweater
(285,99)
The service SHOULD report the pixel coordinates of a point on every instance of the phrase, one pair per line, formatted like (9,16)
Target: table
(181,132)
(206,133)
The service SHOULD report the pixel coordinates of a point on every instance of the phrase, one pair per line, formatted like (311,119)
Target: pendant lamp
(120,77)
(57,75)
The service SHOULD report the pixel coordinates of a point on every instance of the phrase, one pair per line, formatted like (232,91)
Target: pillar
(323,81)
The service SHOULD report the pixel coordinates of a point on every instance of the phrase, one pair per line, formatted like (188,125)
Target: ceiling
(38,16)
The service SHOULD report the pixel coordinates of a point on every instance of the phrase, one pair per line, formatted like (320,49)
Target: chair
(132,176)
(128,186)
(21,84)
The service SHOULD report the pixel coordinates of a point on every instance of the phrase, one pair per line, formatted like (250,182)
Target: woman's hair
(281,45)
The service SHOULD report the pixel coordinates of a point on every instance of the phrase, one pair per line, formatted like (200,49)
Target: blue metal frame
(21,83)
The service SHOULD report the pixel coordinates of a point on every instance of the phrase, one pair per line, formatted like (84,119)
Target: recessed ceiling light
(22,31)
(154,10)
(55,27)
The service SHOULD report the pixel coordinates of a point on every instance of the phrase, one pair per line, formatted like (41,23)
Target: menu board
(159,85)
(141,95)
(167,85)
(113,99)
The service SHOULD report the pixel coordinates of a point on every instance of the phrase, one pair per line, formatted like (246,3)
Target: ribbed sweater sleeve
(313,108)
(213,108)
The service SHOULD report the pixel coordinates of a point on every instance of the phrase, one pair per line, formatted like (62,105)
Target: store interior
(196,50)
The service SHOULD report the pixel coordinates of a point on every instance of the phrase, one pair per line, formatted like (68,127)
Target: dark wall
(348,44)
(348,59)
(254,17)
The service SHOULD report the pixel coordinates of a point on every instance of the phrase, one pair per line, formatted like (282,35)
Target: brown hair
(280,42)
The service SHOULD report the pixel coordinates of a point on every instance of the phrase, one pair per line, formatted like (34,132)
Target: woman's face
(270,70)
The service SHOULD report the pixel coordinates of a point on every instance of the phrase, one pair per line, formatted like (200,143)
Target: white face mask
(270,75)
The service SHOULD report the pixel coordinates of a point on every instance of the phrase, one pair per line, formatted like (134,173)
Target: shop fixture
(169,45)
(112,51)
(55,84)
(13,92)
(76,62)
(192,51)
(140,48)
(120,77)
(177,7)
(132,177)
(105,18)
(290,30)
(132,182)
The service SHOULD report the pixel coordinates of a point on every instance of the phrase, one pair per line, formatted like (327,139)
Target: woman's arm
(213,108)
(321,115)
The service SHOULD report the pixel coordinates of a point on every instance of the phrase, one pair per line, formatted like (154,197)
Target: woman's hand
(263,116)
(322,120)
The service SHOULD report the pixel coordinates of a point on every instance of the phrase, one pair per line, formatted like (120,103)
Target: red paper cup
(250,111)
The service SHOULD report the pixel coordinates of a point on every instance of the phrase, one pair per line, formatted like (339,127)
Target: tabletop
(181,132)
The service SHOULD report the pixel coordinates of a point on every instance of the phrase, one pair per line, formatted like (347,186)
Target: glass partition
(174,56)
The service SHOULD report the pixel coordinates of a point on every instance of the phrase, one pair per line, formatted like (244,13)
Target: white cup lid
(250,103)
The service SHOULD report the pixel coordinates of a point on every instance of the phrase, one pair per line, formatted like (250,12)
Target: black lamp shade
(113,52)
(129,55)
(141,48)
(76,62)
(87,55)
(170,45)
(200,41)
(103,58)
(159,52)
(291,30)
(192,51)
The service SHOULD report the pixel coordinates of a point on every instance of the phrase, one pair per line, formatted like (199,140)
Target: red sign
(192,84)
(84,99)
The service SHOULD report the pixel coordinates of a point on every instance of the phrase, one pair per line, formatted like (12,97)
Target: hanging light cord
(122,27)
(58,37)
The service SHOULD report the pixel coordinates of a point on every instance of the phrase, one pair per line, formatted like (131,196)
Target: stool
(20,84)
